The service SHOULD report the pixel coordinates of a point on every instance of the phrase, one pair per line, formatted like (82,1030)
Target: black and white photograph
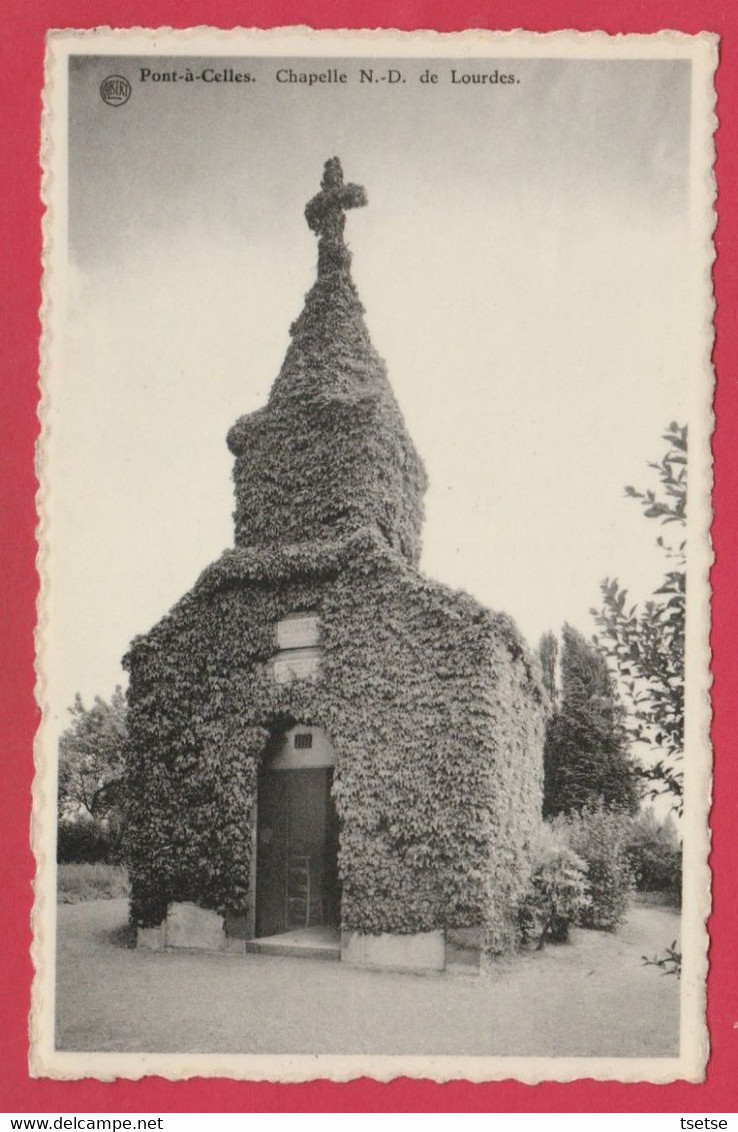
(373,656)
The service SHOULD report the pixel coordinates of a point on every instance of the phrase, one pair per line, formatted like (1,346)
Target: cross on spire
(326,212)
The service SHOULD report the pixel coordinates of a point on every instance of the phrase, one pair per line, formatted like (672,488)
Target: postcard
(374,545)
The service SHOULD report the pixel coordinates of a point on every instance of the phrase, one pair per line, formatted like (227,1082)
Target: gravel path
(590,998)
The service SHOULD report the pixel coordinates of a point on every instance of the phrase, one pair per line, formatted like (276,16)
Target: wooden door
(297,847)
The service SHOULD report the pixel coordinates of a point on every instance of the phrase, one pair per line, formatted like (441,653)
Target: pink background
(23,28)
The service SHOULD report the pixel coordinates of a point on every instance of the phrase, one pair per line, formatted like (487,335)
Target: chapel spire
(331,353)
(329,454)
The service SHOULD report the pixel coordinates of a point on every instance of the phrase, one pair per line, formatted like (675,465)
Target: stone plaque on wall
(298,632)
(300,665)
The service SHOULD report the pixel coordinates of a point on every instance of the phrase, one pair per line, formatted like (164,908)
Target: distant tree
(646,644)
(585,756)
(548,652)
(91,760)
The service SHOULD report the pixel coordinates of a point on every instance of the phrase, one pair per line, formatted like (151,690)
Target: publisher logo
(115,90)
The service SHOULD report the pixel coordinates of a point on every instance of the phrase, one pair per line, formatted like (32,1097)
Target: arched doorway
(297,886)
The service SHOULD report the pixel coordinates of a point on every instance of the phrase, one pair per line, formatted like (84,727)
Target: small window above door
(301,748)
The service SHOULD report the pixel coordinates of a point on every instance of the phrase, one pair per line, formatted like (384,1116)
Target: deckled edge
(692,1062)
(286,32)
(697,902)
(43,793)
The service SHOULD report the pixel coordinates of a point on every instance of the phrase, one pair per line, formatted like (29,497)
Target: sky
(524,265)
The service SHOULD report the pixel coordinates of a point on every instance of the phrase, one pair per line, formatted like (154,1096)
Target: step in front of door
(304,943)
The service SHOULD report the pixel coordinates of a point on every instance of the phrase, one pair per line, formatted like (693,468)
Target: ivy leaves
(430,702)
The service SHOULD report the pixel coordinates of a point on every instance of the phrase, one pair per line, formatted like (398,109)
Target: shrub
(77,883)
(657,868)
(84,841)
(598,836)
(558,892)
(655,856)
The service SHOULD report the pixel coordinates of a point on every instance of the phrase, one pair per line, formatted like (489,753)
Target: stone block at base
(424,951)
(237,925)
(234,945)
(463,950)
(192,927)
(150,939)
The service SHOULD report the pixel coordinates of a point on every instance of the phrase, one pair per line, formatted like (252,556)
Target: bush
(598,836)
(655,856)
(558,893)
(657,868)
(77,883)
(85,842)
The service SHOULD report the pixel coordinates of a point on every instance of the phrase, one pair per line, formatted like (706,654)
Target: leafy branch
(646,643)
(670,962)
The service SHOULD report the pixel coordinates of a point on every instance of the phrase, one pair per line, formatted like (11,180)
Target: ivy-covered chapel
(328,750)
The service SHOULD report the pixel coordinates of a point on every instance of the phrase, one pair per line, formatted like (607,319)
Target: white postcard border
(702,50)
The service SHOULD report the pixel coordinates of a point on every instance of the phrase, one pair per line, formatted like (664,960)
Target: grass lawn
(592,997)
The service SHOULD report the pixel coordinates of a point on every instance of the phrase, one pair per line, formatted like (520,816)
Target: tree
(91,760)
(646,644)
(585,755)
(548,653)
